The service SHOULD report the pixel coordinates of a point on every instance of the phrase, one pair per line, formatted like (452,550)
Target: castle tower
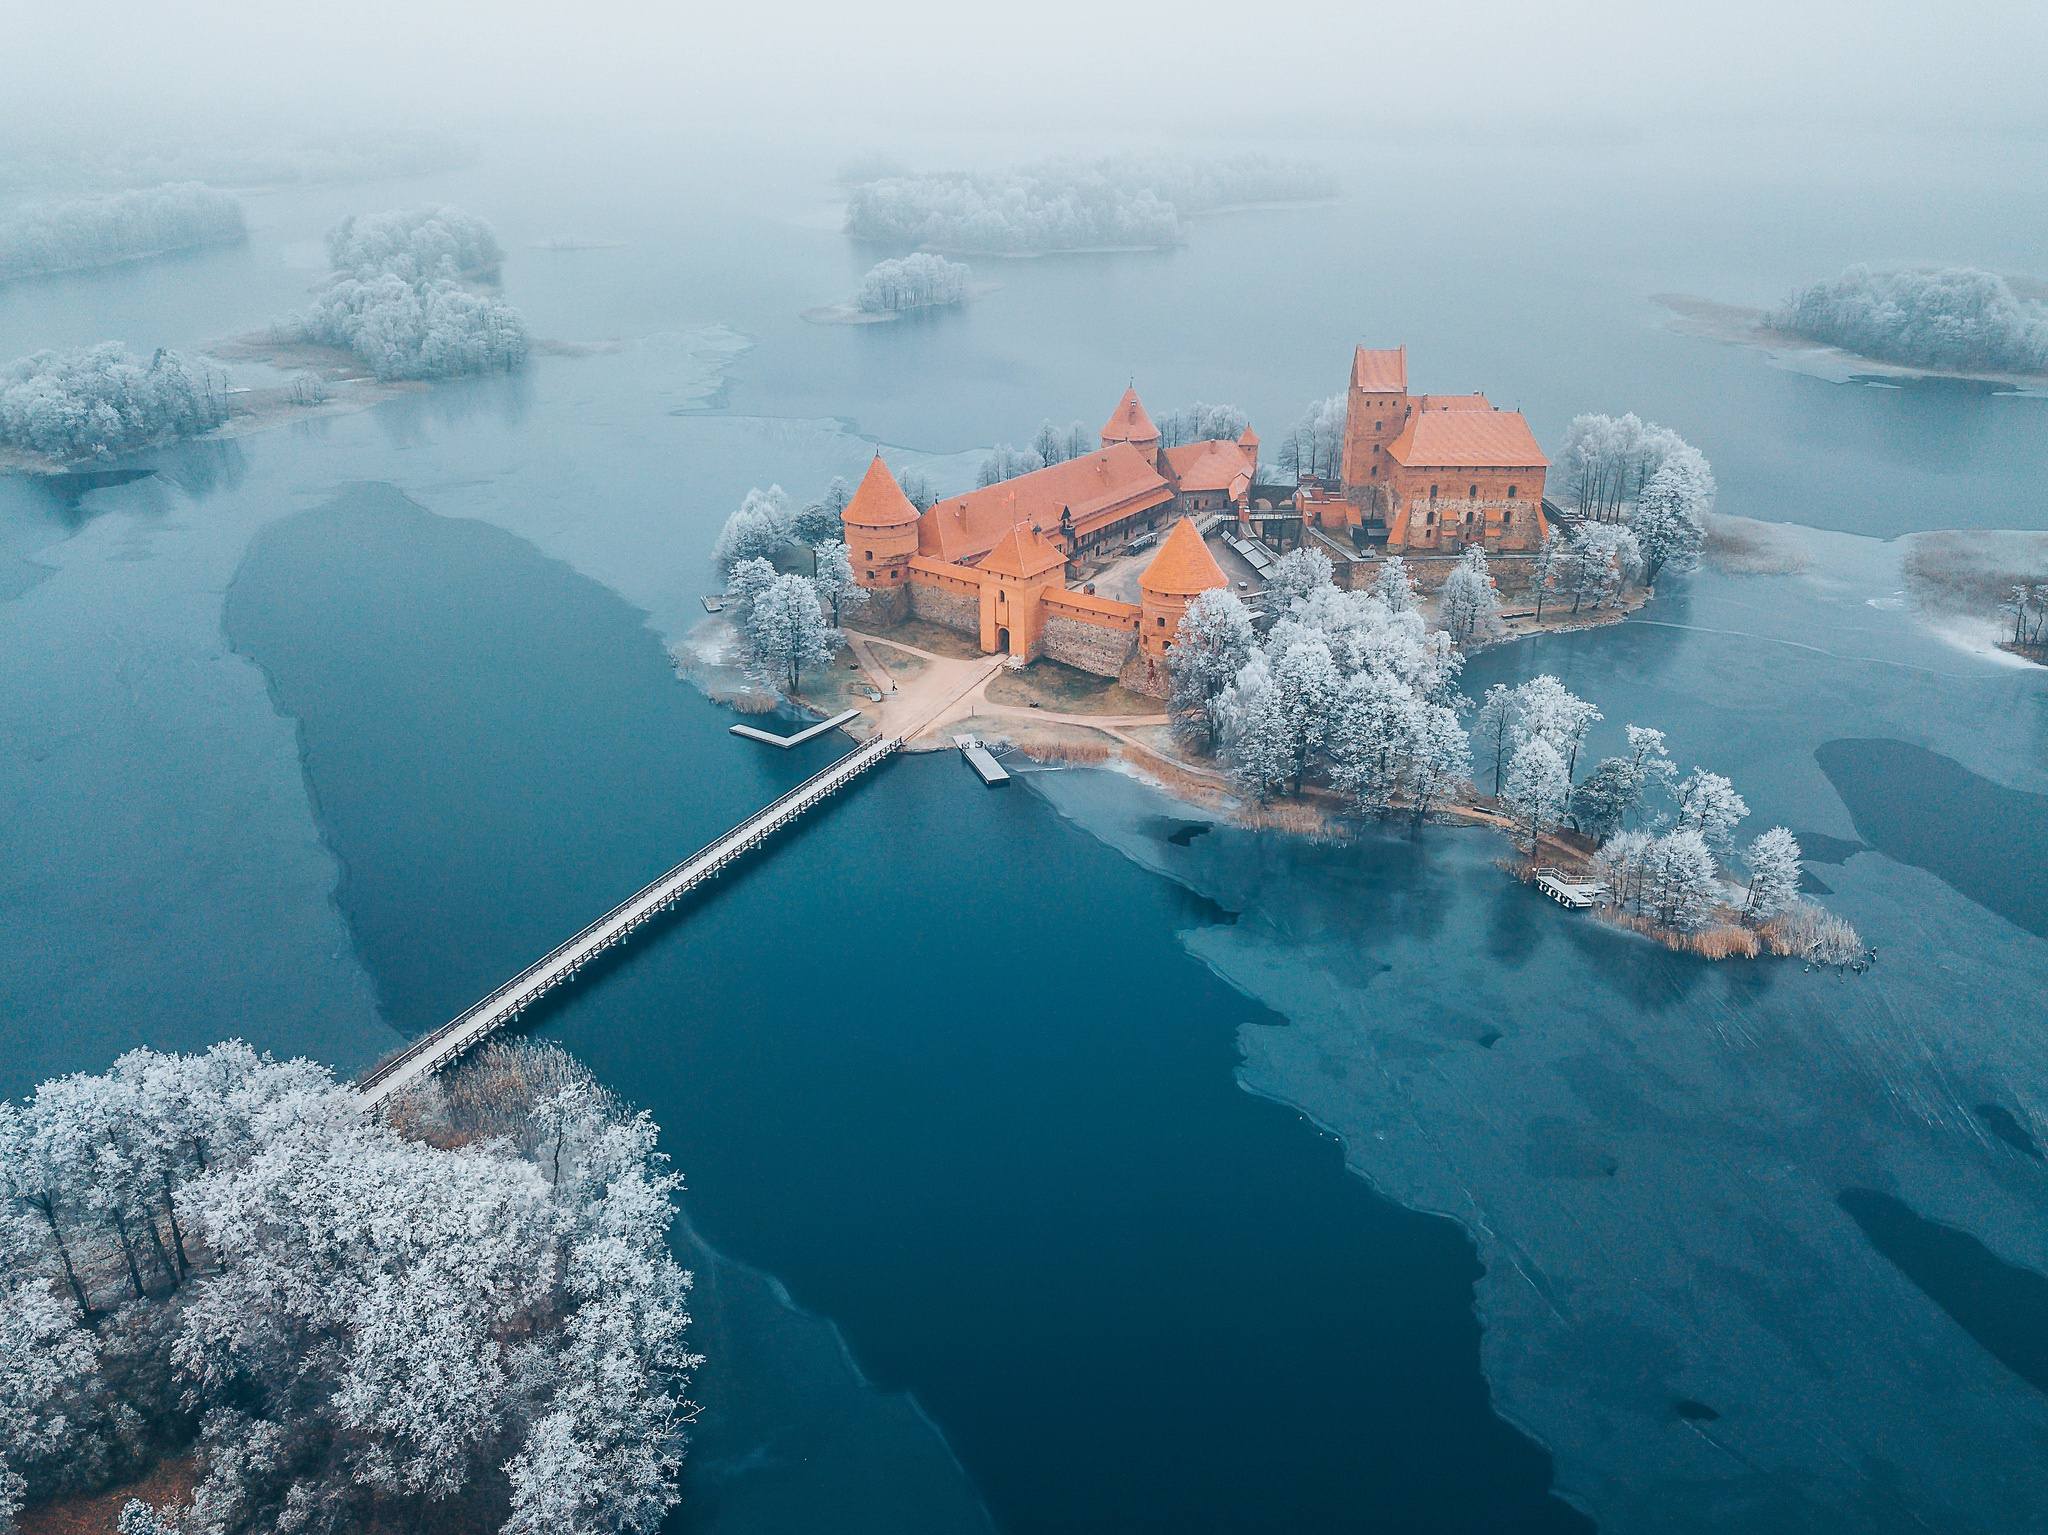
(1129,423)
(880,526)
(1376,408)
(1183,569)
(1249,441)
(1014,578)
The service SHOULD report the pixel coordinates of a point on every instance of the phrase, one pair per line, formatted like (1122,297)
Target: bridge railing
(850,766)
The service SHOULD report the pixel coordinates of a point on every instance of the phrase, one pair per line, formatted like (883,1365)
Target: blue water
(312,735)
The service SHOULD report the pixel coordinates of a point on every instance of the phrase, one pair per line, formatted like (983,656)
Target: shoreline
(1739,325)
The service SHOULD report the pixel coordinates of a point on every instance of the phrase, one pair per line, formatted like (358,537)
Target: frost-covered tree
(1496,728)
(1620,862)
(1709,805)
(385,1324)
(1200,423)
(1774,875)
(1599,561)
(1306,678)
(1297,576)
(1953,317)
(1257,730)
(1615,791)
(78,233)
(817,522)
(104,400)
(1375,726)
(1211,645)
(917,489)
(416,244)
(1469,606)
(1679,879)
(1535,788)
(1552,712)
(1006,463)
(1393,585)
(1050,445)
(1313,448)
(842,595)
(760,528)
(783,630)
(749,579)
(917,281)
(1121,201)
(1607,460)
(399,303)
(1440,758)
(1543,567)
(1670,517)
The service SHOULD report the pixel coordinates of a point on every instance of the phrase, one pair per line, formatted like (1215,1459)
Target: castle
(1421,474)
(993,563)
(1432,473)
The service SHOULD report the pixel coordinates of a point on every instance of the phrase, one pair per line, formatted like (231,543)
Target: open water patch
(934,1059)
(1979,837)
(2004,1306)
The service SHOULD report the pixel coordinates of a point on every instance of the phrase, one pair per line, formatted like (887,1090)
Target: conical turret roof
(1128,422)
(1183,566)
(880,502)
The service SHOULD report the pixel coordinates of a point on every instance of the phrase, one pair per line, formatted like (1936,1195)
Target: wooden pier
(812,733)
(428,1054)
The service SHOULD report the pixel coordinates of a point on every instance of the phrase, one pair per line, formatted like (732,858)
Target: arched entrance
(1002,642)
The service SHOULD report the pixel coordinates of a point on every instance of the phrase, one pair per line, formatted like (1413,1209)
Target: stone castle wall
(1086,647)
(887,606)
(945,607)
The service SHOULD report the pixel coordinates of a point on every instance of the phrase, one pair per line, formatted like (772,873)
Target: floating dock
(992,772)
(786,742)
(1573,890)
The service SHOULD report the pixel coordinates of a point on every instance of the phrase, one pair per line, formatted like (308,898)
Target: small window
(1162,623)
(1472,494)
(1511,492)
(1432,492)
(867,554)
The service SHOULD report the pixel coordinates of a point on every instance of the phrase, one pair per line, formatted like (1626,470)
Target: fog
(976,82)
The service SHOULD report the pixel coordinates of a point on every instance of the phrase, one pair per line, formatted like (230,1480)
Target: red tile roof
(1024,553)
(1183,566)
(1458,435)
(1128,422)
(1098,488)
(1454,402)
(1380,372)
(1224,466)
(880,502)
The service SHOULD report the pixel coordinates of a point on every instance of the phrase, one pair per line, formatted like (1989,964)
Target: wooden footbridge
(429,1053)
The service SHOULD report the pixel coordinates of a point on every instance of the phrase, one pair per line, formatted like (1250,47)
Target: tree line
(463,1315)
(1054,444)
(78,233)
(1352,691)
(398,300)
(788,621)
(1065,205)
(103,399)
(916,281)
(1946,317)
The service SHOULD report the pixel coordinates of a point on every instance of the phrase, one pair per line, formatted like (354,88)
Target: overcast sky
(792,68)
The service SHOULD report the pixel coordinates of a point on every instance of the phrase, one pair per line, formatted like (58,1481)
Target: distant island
(1957,322)
(82,233)
(1127,202)
(63,406)
(904,285)
(402,302)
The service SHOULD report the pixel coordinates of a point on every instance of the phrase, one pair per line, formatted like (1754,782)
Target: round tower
(1183,569)
(880,526)
(1129,423)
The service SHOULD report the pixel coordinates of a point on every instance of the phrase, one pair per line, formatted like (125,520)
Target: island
(1287,649)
